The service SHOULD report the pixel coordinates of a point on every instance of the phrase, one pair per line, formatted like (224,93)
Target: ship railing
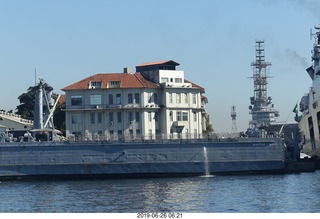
(151,138)
(159,138)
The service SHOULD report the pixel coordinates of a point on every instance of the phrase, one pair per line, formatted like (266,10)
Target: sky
(212,40)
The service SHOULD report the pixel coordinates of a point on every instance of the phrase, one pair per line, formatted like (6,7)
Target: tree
(26,107)
(59,116)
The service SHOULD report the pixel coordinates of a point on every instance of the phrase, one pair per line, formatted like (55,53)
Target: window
(138,132)
(178,116)
(110,99)
(111,118)
(184,116)
(119,120)
(95,84)
(76,119)
(99,117)
(114,84)
(137,117)
(130,98)
(149,97)
(170,97)
(150,116)
(77,134)
(178,98)
(92,118)
(194,116)
(155,98)
(164,80)
(156,116)
(178,80)
(76,100)
(118,98)
(186,98)
(171,116)
(137,98)
(95,99)
(130,117)
(194,99)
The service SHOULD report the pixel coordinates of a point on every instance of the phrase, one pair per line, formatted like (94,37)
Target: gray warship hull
(143,159)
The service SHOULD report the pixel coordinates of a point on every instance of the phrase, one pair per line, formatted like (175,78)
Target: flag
(295,109)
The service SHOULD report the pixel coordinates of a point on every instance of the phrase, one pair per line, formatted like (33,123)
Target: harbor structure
(154,102)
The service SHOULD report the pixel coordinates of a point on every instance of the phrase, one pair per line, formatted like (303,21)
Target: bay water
(288,193)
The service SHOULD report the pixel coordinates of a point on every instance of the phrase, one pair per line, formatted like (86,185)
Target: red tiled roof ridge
(127,80)
(195,85)
(136,75)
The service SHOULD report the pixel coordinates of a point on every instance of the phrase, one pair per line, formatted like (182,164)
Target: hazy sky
(213,40)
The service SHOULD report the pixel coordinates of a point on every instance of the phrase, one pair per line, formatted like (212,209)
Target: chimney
(126,70)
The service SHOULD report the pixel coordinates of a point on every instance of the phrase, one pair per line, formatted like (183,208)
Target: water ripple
(250,193)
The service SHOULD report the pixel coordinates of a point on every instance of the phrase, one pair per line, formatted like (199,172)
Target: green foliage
(59,116)
(26,107)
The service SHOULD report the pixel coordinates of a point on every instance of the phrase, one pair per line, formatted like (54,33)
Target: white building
(154,102)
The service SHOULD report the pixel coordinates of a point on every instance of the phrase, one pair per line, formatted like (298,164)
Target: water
(248,193)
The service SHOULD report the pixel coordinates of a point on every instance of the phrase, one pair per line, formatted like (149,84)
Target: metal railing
(158,138)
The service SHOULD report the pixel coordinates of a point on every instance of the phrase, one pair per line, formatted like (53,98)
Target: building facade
(153,103)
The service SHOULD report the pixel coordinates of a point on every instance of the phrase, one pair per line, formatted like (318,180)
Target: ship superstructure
(261,107)
(309,121)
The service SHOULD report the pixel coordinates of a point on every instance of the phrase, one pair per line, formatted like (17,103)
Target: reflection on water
(249,193)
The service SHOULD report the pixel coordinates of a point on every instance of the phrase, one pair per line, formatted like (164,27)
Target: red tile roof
(126,81)
(195,85)
(158,63)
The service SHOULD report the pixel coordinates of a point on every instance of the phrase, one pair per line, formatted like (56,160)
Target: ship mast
(234,119)
(261,108)
(314,70)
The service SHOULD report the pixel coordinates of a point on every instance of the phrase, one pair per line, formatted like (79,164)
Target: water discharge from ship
(206,163)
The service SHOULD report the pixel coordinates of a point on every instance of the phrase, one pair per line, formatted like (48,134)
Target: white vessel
(309,121)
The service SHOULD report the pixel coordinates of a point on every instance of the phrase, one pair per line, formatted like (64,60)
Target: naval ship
(259,150)
(309,120)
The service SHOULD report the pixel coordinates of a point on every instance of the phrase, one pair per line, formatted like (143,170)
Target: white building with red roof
(155,102)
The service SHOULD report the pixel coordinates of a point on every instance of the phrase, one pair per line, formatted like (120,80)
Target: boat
(309,106)
(41,153)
